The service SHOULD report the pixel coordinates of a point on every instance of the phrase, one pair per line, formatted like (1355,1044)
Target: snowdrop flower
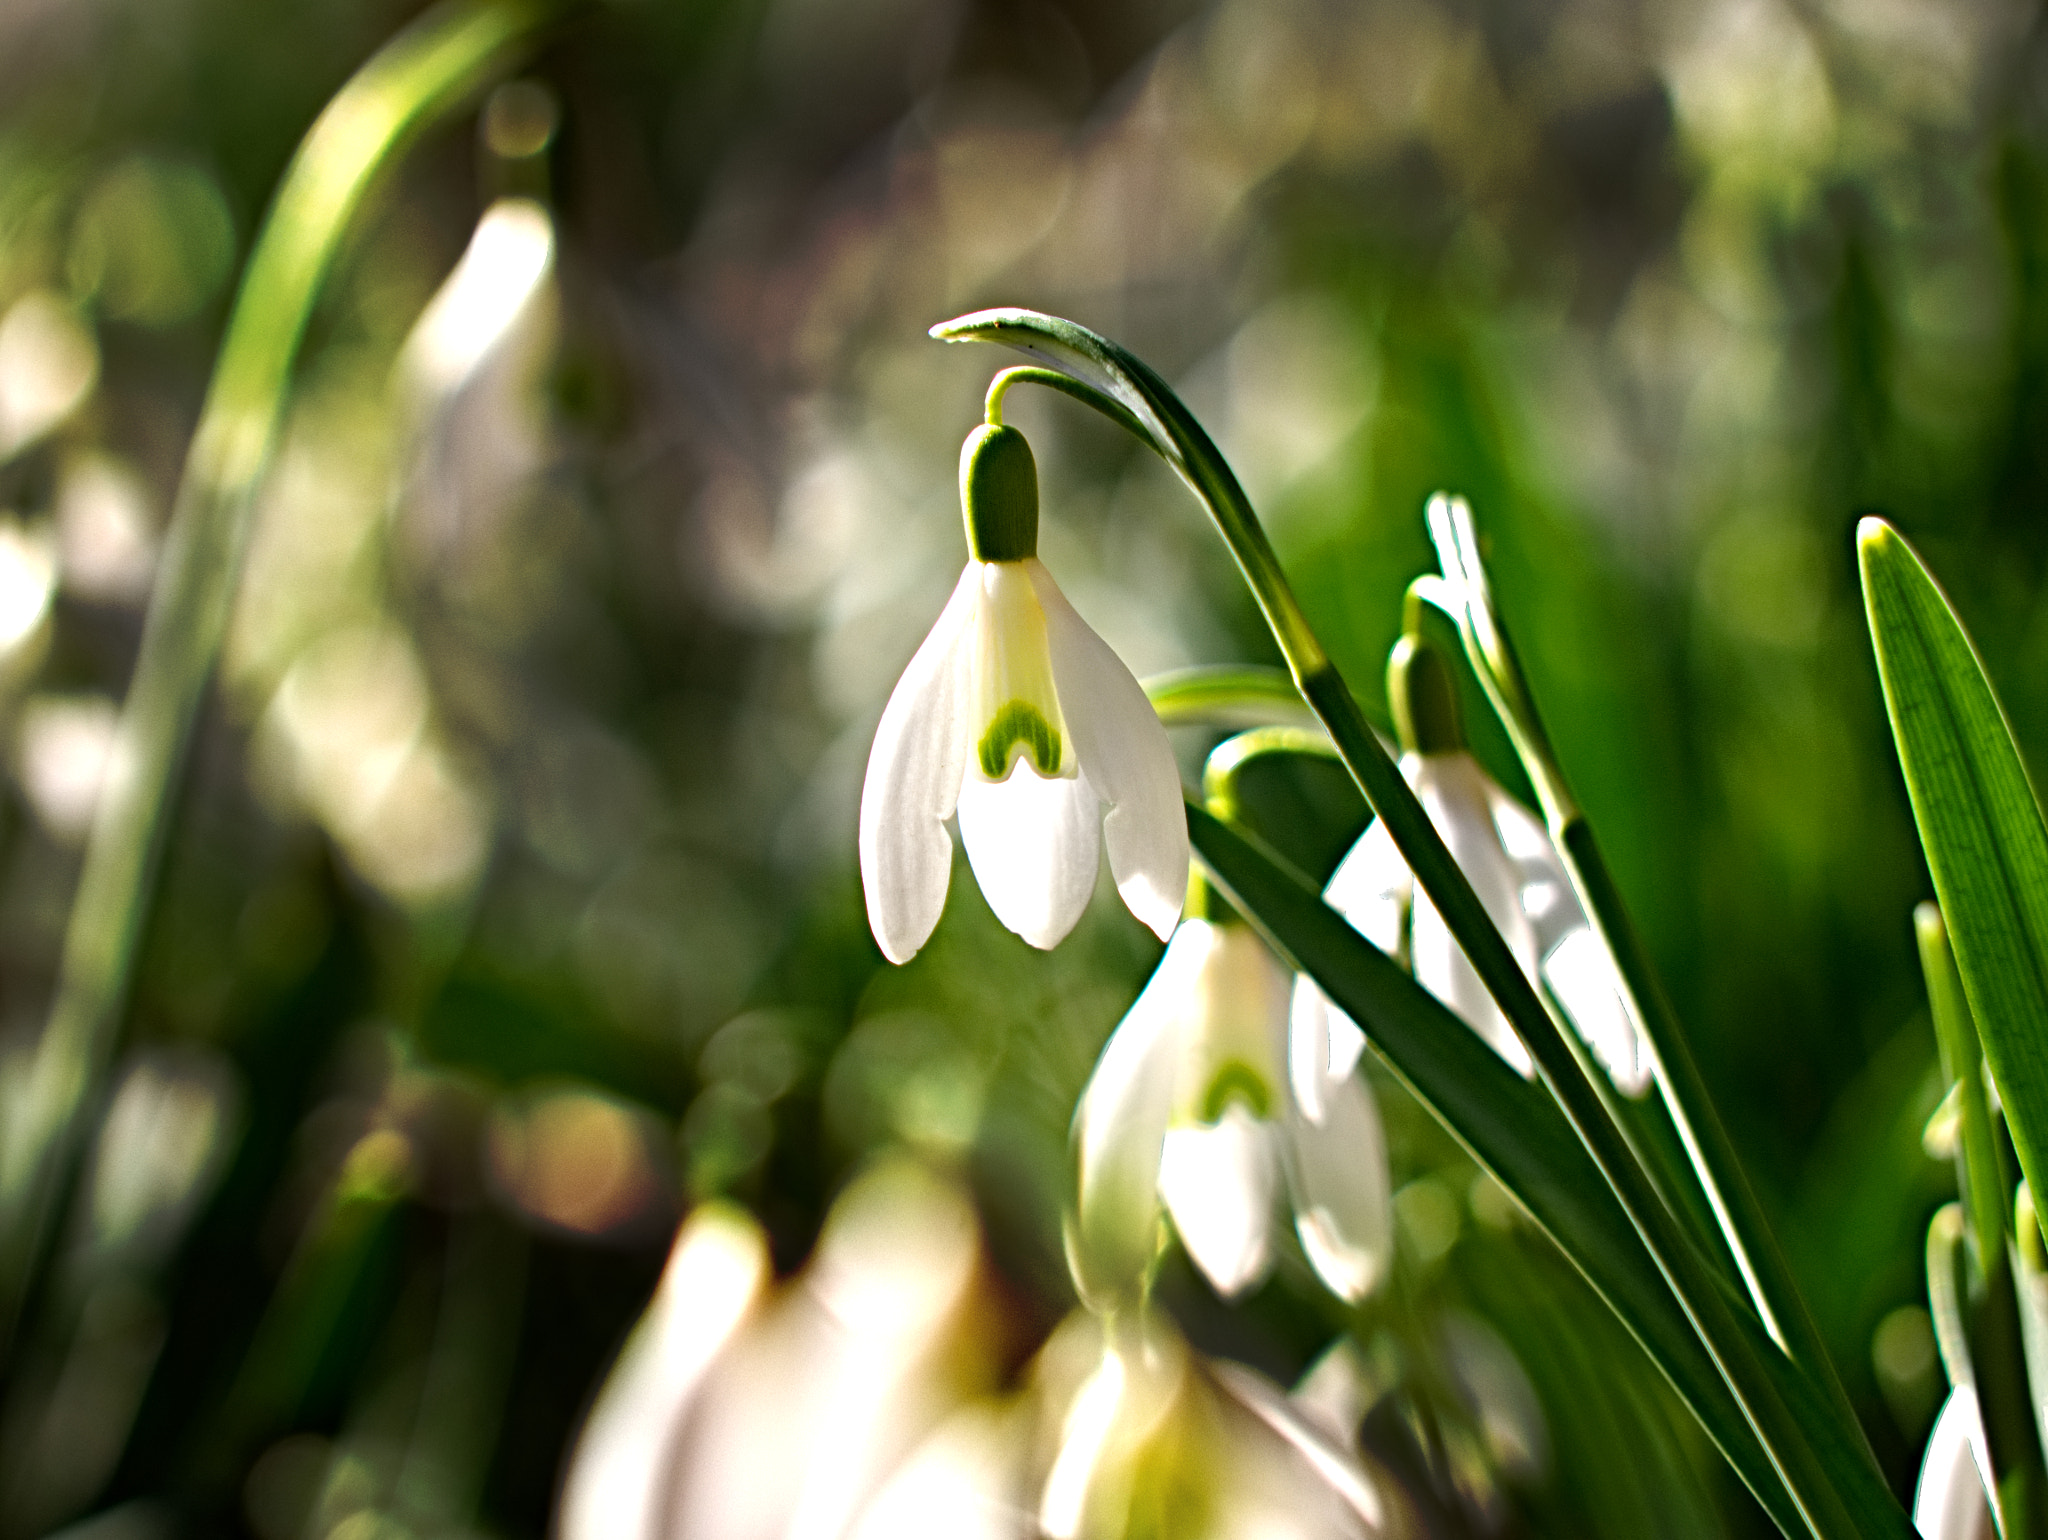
(1192,1104)
(1017,716)
(1507,856)
(743,1410)
(1158,1439)
(1122,1432)
(1950,1503)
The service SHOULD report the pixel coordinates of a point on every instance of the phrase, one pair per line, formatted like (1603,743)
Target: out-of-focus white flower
(1949,1503)
(1507,856)
(1125,1432)
(1193,1103)
(48,365)
(1158,1440)
(741,1412)
(1020,718)
(65,750)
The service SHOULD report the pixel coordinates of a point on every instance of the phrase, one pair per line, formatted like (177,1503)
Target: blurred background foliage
(511,904)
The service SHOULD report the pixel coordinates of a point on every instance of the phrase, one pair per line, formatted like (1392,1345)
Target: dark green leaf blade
(1980,824)
(1513,1129)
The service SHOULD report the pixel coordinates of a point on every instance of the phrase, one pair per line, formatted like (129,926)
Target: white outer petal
(913,782)
(1120,1126)
(617,1481)
(1124,751)
(1343,1198)
(1034,844)
(1582,976)
(1219,1181)
(1950,1503)
(1333,1465)
(964,1482)
(1372,888)
(1323,1044)
(1454,791)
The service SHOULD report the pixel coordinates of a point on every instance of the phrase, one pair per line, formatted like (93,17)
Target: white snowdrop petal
(1581,974)
(1371,888)
(1308,1044)
(1442,968)
(1218,1180)
(1347,1045)
(1322,1044)
(1124,752)
(913,781)
(1120,1126)
(1343,1200)
(1949,1503)
(1034,844)
(1454,791)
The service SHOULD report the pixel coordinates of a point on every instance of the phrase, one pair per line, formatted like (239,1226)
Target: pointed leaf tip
(1873,534)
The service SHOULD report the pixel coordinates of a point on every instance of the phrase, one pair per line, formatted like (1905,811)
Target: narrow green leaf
(1513,1129)
(1980,824)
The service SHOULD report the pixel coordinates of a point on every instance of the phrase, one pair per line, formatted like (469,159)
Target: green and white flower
(1508,857)
(1192,1105)
(1020,719)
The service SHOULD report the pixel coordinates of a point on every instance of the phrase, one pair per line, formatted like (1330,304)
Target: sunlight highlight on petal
(912,785)
(1124,751)
(1034,846)
(1219,1181)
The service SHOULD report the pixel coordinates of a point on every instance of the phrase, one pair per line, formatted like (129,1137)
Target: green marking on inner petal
(1236,1081)
(1019,728)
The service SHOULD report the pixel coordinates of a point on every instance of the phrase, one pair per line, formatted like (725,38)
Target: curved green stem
(1836,1499)
(1230,696)
(1220,770)
(419,76)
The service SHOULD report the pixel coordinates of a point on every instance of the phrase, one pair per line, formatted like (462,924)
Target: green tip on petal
(1424,697)
(999,494)
(1236,1081)
(1020,731)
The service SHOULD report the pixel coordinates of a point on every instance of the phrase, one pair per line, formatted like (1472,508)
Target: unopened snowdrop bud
(1514,868)
(1019,718)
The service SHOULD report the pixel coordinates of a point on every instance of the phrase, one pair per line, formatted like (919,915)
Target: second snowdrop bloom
(1507,856)
(1192,1105)
(1018,717)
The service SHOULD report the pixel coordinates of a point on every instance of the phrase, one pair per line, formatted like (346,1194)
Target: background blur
(511,907)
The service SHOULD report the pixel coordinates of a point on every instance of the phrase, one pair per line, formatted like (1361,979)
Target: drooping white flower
(1018,717)
(1949,1503)
(1192,1104)
(745,1410)
(1514,868)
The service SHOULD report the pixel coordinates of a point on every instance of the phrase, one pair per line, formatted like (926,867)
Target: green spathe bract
(1980,824)
(999,494)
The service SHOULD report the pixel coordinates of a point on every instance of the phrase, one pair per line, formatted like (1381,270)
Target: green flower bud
(1424,698)
(999,494)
